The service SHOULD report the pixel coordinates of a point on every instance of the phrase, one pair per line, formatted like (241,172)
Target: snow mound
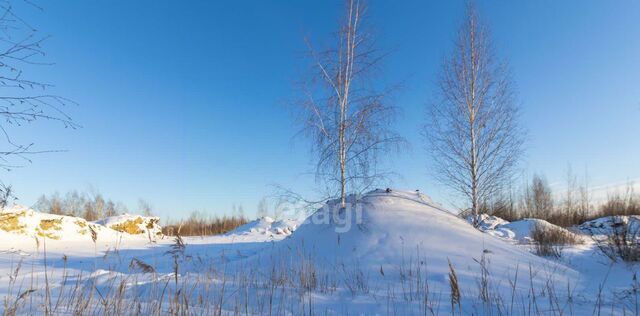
(606,226)
(20,220)
(133,224)
(488,222)
(522,230)
(19,223)
(385,231)
(517,231)
(267,226)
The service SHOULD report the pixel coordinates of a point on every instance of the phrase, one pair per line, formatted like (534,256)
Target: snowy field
(395,253)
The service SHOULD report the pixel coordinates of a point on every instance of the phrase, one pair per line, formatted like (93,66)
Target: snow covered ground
(393,253)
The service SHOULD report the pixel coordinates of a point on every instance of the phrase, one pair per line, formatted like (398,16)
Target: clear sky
(182,103)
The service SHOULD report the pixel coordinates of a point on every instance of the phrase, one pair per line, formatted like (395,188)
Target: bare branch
(22,100)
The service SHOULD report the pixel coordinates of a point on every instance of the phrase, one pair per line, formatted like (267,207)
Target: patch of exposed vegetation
(152,223)
(623,241)
(550,239)
(10,222)
(48,227)
(83,226)
(131,226)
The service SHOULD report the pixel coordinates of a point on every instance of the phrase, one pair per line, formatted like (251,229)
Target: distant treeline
(200,225)
(94,206)
(88,206)
(572,207)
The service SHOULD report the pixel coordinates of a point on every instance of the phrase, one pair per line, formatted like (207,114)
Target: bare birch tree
(474,136)
(346,117)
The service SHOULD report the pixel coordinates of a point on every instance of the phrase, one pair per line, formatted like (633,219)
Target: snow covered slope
(392,229)
(392,254)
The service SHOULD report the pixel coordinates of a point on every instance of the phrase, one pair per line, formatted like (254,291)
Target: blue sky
(183,103)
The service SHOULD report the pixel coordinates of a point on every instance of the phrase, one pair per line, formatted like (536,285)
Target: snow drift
(606,226)
(266,226)
(520,231)
(388,230)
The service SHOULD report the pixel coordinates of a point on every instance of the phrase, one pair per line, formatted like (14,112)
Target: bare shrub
(356,280)
(550,239)
(502,206)
(566,219)
(626,203)
(622,242)
(617,204)
(200,225)
(536,201)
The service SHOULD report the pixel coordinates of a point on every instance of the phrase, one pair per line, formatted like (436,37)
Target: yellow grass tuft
(83,226)
(130,226)
(10,222)
(48,227)
(152,222)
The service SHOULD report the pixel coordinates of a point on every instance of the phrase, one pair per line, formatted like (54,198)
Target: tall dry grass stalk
(291,282)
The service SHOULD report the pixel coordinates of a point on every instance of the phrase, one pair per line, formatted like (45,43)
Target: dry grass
(276,288)
(550,239)
(10,222)
(131,226)
(622,243)
(152,222)
(621,205)
(49,227)
(82,224)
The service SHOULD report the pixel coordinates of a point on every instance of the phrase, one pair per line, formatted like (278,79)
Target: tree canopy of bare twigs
(473,134)
(22,99)
(347,118)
